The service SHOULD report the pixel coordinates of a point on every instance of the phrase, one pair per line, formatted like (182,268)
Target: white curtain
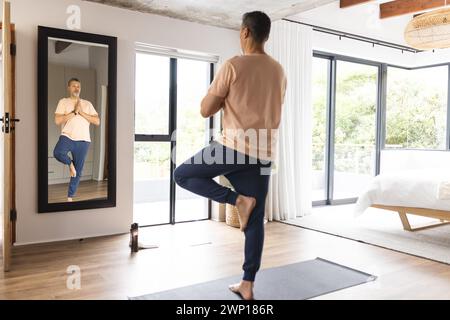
(290,184)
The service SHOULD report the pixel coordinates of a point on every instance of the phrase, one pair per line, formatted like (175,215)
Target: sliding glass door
(354,128)
(345,105)
(168,130)
(192,131)
(151,182)
(321,96)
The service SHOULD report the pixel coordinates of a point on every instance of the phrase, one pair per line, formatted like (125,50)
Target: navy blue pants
(248,176)
(79,150)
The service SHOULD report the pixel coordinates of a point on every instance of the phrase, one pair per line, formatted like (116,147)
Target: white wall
(352,48)
(129,27)
(430,58)
(363,20)
(347,47)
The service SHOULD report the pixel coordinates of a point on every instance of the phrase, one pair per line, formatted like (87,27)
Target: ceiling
(219,13)
(360,19)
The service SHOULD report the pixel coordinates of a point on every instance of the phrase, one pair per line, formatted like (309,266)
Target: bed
(418,192)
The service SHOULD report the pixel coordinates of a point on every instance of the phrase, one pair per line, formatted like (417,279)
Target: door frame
(9,222)
(13,136)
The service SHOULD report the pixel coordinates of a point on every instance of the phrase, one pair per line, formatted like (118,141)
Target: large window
(152,94)
(416,110)
(168,126)
(361,107)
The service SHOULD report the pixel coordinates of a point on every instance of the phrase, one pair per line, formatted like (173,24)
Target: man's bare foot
(245,206)
(69,199)
(243,288)
(73,172)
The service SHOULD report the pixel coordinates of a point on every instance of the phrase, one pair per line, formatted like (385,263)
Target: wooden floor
(201,251)
(87,190)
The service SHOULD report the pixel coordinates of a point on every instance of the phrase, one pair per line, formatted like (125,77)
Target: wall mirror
(76,120)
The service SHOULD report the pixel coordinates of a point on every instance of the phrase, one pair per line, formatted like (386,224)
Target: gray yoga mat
(298,281)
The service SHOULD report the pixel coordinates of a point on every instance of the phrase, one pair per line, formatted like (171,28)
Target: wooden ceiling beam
(401,7)
(350,3)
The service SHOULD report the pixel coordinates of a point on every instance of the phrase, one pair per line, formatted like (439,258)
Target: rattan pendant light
(430,30)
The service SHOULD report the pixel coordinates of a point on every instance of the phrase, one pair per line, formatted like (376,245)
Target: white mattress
(413,188)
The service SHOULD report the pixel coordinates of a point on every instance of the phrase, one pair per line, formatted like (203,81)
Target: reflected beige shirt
(254,87)
(77,128)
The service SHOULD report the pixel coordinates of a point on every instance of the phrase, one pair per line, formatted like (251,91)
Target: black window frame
(380,116)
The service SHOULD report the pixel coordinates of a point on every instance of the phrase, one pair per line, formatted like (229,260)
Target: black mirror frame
(42,138)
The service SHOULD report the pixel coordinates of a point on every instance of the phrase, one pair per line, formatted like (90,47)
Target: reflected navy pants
(248,176)
(79,150)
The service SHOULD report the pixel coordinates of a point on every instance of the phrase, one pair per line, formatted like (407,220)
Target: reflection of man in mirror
(74,115)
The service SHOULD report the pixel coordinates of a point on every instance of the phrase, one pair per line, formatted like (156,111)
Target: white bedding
(413,188)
